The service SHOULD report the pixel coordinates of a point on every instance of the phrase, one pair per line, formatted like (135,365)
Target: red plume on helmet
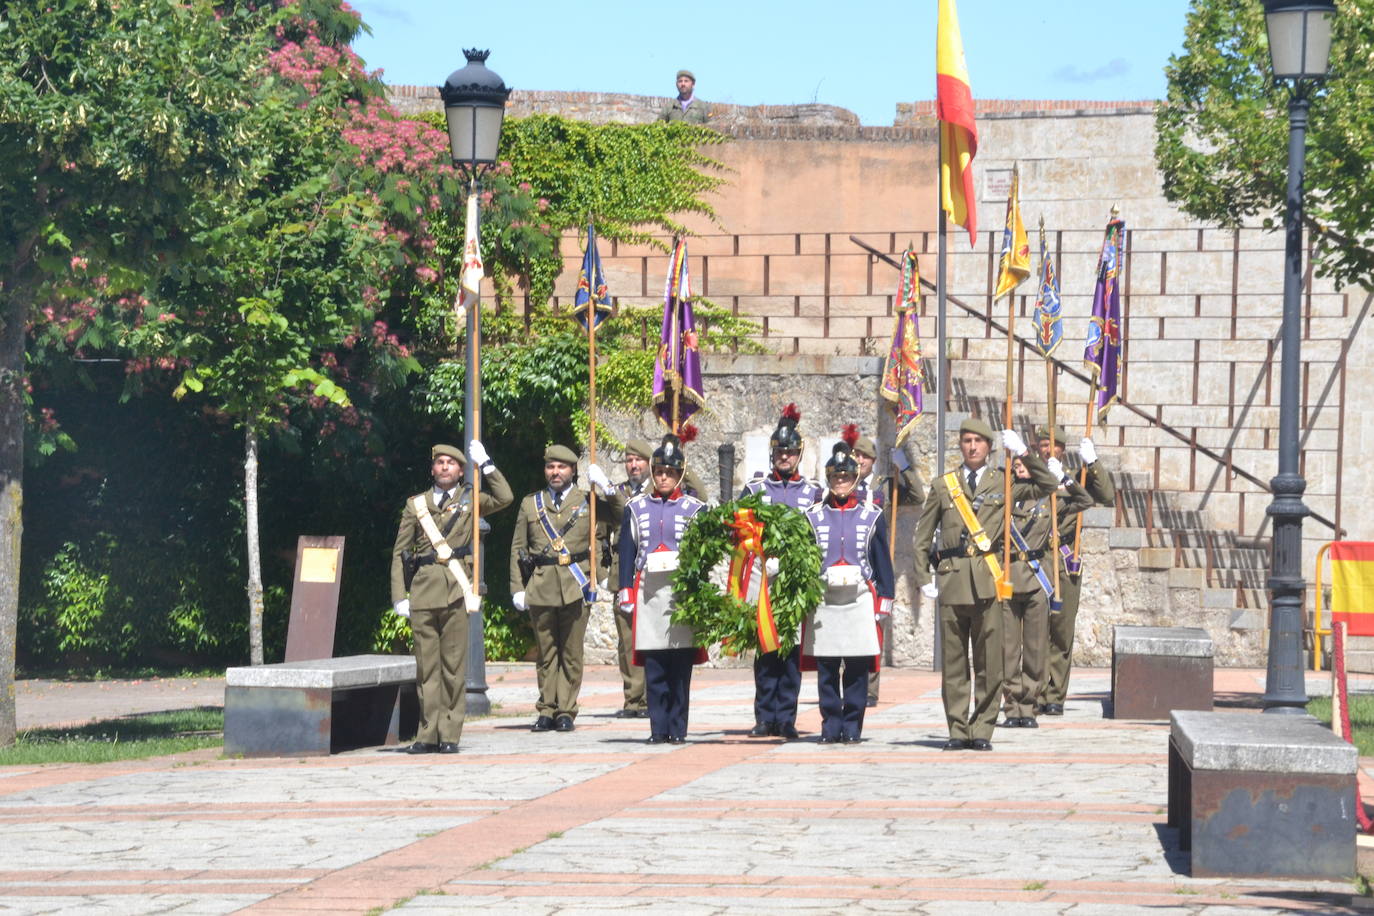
(688,433)
(785,436)
(791,412)
(850,434)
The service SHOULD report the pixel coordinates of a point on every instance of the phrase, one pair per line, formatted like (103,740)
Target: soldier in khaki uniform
(686,107)
(1100,488)
(436,599)
(552,540)
(638,452)
(970,615)
(877,490)
(1027,615)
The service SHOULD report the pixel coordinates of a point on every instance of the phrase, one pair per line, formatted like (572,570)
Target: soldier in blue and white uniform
(777,677)
(649,535)
(842,633)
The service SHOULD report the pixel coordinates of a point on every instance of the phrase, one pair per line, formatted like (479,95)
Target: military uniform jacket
(876,489)
(965,578)
(654,525)
(609,539)
(1101,491)
(1032,518)
(434,586)
(796,491)
(553,585)
(852,536)
(695,113)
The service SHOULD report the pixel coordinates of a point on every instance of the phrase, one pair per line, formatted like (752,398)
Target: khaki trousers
(1025,643)
(558,636)
(441,668)
(630,673)
(971,634)
(1061,641)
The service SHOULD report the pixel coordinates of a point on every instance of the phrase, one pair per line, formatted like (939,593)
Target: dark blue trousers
(668,686)
(777,683)
(843,687)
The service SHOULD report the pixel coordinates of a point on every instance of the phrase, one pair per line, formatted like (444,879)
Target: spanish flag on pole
(1352,586)
(958,133)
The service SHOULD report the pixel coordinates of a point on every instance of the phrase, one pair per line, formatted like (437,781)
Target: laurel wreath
(718,617)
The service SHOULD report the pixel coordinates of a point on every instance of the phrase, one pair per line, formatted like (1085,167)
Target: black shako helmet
(842,455)
(786,435)
(669,453)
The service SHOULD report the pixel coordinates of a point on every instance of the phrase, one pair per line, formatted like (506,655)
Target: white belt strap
(471,600)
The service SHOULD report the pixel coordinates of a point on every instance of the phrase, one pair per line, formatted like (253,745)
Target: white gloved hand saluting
(598,478)
(899,460)
(518,599)
(1087,451)
(1012,442)
(402,608)
(930,590)
(770,566)
(478,453)
(1056,467)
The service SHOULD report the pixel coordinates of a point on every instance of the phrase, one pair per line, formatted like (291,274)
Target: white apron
(842,625)
(654,606)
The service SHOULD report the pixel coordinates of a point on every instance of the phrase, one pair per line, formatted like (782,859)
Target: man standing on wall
(1100,488)
(550,576)
(432,584)
(777,677)
(686,107)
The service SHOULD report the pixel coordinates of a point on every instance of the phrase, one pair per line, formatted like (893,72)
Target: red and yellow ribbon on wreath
(749,550)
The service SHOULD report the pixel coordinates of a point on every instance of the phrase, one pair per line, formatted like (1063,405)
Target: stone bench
(1262,794)
(1156,670)
(317,707)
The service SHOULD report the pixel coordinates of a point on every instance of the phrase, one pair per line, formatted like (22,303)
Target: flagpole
(941,381)
(1049,410)
(590,314)
(1004,587)
(1092,411)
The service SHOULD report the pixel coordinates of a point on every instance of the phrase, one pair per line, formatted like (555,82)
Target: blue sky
(865,56)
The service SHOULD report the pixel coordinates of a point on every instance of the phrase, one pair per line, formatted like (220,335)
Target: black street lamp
(475,106)
(1299,45)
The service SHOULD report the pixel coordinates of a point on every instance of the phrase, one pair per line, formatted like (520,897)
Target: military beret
(560,453)
(450,450)
(1043,432)
(978,428)
(864,446)
(687,73)
(639,447)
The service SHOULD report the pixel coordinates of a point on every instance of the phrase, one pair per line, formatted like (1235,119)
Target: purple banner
(677,370)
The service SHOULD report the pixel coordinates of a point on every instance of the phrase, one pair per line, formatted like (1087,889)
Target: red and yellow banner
(748,552)
(1352,586)
(958,133)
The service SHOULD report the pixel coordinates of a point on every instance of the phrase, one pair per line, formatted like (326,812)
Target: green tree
(1223,132)
(114,117)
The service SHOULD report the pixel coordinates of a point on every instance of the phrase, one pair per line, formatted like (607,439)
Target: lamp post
(475,106)
(1299,45)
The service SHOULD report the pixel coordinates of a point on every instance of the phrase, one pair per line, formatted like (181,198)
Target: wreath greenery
(718,617)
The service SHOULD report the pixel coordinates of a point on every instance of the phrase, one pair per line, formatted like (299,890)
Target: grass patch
(1033,886)
(127,738)
(1361,719)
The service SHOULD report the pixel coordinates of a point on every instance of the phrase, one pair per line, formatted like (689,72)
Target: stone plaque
(996,184)
(314,598)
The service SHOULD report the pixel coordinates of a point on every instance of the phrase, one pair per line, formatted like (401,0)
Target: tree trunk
(250,508)
(14,306)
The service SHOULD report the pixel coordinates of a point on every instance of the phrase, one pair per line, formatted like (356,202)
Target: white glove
(402,608)
(626,600)
(518,599)
(478,453)
(1013,442)
(930,590)
(1056,467)
(884,608)
(770,566)
(598,478)
(899,460)
(1087,451)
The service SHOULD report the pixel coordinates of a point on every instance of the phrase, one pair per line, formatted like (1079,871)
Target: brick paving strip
(1067,818)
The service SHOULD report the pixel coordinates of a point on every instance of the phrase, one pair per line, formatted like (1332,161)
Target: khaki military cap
(864,446)
(687,73)
(1043,432)
(639,447)
(452,451)
(560,453)
(978,428)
